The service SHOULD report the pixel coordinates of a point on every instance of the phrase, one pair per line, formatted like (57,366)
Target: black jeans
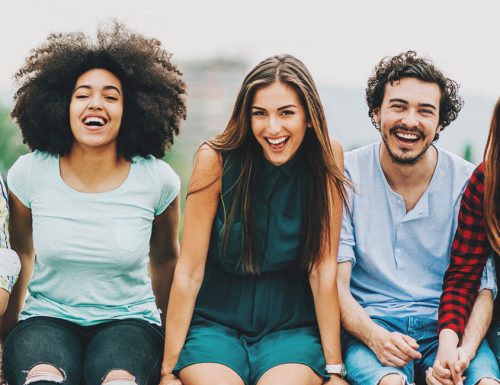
(84,354)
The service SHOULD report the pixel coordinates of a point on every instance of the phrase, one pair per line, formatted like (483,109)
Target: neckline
(386,183)
(60,181)
(288,167)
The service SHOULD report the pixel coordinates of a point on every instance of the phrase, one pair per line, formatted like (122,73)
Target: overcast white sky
(340,41)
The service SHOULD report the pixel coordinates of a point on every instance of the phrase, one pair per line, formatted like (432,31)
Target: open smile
(94,122)
(277,144)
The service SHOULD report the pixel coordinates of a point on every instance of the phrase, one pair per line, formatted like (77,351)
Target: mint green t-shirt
(92,250)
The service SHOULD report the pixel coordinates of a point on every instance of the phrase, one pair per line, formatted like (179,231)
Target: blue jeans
(363,367)
(494,338)
(85,353)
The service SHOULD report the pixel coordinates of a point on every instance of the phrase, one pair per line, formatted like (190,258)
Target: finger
(407,351)
(460,366)
(393,360)
(410,341)
(457,377)
(429,378)
(440,371)
(437,379)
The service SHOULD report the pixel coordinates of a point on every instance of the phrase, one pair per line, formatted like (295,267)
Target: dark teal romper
(249,322)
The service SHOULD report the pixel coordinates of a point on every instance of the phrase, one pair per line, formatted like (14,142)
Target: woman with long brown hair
(477,237)
(257,271)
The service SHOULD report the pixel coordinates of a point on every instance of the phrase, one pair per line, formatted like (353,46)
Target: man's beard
(405,161)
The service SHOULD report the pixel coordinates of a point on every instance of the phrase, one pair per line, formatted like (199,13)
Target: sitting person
(254,297)
(94,210)
(477,237)
(395,240)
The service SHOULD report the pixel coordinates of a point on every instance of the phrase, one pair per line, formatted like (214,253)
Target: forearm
(162,275)
(327,308)
(18,295)
(183,295)
(479,322)
(356,320)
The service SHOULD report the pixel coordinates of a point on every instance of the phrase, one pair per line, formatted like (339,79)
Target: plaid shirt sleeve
(469,253)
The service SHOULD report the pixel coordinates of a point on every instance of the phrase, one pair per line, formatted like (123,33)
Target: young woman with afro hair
(94,210)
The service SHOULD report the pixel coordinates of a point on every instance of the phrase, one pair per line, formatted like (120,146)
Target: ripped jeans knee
(119,377)
(46,373)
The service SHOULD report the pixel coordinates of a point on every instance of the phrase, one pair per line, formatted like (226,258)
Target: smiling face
(96,109)
(408,119)
(278,122)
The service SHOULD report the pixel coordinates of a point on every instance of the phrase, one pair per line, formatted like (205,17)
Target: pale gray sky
(339,40)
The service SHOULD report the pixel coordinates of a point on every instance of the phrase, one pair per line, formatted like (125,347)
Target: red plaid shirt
(469,253)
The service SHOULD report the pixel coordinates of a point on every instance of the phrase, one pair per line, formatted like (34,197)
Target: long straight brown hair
(492,181)
(324,178)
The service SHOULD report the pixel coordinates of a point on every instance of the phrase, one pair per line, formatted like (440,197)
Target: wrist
(448,337)
(336,370)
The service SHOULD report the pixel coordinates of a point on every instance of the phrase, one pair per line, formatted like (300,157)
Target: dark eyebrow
(279,109)
(398,101)
(105,88)
(427,105)
(287,106)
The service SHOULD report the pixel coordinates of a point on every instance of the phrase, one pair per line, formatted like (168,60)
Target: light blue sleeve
(488,279)
(347,234)
(169,186)
(18,179)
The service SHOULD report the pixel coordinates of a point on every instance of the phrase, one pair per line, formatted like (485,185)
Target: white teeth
(93,119)
(407,136)
(278,140)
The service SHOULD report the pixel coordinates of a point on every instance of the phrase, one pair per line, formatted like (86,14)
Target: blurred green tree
(11,143)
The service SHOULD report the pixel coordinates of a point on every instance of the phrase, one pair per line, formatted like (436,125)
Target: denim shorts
(84,354)
(363,367)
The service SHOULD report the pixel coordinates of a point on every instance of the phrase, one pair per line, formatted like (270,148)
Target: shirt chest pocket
(132,233)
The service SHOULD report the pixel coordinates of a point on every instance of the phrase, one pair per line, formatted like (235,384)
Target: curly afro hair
(154,102)
(409,65)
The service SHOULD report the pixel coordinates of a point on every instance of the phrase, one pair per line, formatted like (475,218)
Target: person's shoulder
(157,169)
(27,161)
(359,160)
(207,158)
(455,165)
(361,153)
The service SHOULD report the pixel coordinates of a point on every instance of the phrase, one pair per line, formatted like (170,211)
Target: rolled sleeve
(488,279)
(347,242)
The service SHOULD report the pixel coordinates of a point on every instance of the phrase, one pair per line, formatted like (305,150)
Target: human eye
(397,106)
(427,112)
(112,98)
(258,113)
(287,112)
(81,95)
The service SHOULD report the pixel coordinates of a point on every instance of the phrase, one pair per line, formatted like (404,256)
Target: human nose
(274,124)
(95,102)
(410,118)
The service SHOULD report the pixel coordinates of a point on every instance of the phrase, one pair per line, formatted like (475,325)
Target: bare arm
(392,349)
(21,235)
(322,279)
(164,253)
(201,207)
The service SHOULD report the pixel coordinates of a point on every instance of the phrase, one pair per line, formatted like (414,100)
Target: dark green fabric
(250,322)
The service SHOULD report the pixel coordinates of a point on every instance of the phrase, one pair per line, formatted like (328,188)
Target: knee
(119,377)
(44,372)
(487,381)
(392,379)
